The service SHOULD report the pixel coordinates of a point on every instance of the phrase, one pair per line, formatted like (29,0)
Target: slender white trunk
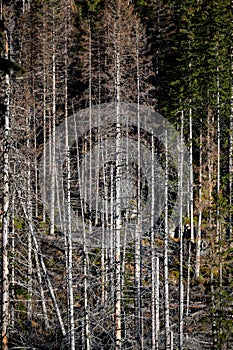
(118,221)
(86,323)
(191,240)
(105,232)
(157,305)
(218,154)
(89,196)
(12,310)
(188,279)
(5,217)
(191,172)
(166,283)
(35,158)
(29,276)
(181,287)
(118,225)
(103,267)
(231,143)
(155,322)
(210,164)
(198,242)
(153,271)
(112,228)
(53,172)
(138,297)
(29,211)
(213,305)
(171,340)
(44,123)
(68,229)
(43,300)
(218,210)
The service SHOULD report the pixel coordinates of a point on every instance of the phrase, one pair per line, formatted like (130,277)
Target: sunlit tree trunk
(53,135)
(86,322)
(153,268)
(181,287)
(218,154)
(166,271)
(45,72)
(5,216)
(118,223)
(138,278)
(231,143)
(12,289)
(68,230)
(29,211)
(157,304)
(42,293)
(155,322)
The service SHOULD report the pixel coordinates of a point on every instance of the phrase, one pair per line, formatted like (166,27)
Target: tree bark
(166,271)
(181,286)
(231,141)
(118,220)
(200,206)
(5,216)
(68,229)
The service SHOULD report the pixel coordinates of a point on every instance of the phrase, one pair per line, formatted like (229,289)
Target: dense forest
(116,178)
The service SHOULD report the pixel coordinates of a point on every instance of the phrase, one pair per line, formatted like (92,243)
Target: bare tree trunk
(157,304)
(138,297)
(218,154)
(191,239)
(181,304)
(36,200)
(153,270)
(43,300)
(5,217)
(53,171)
(155,322)
(231,144)
(171,340)
(191,172)
(118,221)
(44,122)
(219,235)
(86,323)
(68,206)
(29,276)
(29,211)
(198,242)
(12,307)
(166,283)
(118,226)
(210,140)
(213,305)
(44,269)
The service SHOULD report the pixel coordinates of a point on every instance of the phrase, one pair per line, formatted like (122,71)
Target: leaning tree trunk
(69,243)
